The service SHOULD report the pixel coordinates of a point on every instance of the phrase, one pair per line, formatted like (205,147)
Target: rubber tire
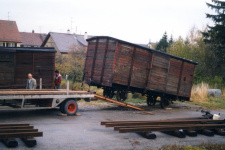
(66,105)
(61,107)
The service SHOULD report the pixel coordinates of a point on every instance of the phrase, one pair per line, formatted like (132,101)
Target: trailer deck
(12,99)
(66,100)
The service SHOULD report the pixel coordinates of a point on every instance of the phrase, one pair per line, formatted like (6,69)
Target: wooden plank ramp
(120,103)
(9,133)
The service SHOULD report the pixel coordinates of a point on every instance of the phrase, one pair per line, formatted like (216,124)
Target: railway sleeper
(206,132)
(219,132)
(178,133)
(191,133)
(148,135)
(10,142)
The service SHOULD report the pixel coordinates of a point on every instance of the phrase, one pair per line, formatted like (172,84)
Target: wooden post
(40,83)
(67,84)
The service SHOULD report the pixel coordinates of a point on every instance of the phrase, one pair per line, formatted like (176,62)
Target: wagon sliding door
(99,61)
(140,68)
(123,63)
(186,80)
(44,68)
(24,65)
(6,69)
(173,76)
(158,74)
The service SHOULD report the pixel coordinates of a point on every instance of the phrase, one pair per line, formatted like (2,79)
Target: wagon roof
(28,49)
(154,51)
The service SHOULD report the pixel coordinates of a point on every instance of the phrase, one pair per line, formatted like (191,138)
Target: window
(10,45)
(15,44)
(1,44)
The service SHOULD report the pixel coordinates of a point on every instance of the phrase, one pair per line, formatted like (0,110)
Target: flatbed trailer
(22,99)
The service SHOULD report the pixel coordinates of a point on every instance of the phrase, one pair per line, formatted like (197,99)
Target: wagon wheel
(121,95)
(151,100)
(108,93)
(105,92)
(164,102)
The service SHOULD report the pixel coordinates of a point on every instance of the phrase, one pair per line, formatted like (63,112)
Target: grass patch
(77,87)
(199,96)
(203,146)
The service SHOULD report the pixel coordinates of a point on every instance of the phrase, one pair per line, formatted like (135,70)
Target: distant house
(149,45)
(63,42)
(32,39)
(9,34)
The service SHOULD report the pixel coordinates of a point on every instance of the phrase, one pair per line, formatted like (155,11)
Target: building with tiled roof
(64,42)
(32,39)
(9,34)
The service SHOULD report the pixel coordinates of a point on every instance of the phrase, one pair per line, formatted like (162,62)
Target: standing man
(58,79)
(31,82)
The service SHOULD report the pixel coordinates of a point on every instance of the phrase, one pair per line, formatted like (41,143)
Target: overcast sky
(131,20)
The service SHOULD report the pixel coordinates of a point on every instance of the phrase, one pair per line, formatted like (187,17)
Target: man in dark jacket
(58,79)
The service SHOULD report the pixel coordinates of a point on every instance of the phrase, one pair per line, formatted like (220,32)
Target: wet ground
(85,131)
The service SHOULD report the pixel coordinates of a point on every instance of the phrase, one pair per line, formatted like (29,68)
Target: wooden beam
(104,60)
(131,68)
(149,70)
(16,127)
(20,135)
(23,124)
(17,130)
(94,58)
(192,127)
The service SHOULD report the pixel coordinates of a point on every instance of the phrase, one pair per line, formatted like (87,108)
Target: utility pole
(8,15)
(71,28)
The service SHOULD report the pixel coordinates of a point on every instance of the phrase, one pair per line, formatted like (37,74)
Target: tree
(163,43)
(72,64)
(215,37)
(194,48)
(171,40)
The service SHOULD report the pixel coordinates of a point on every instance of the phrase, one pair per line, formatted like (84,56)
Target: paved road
(85,132)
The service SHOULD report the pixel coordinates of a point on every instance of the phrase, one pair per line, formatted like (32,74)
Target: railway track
(179,128)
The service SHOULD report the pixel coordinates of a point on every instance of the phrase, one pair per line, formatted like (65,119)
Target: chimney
(85,36)
(32,31)
(68,31)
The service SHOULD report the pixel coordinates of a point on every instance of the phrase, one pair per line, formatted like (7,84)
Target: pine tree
(163,43)
(215,35)
(171,40)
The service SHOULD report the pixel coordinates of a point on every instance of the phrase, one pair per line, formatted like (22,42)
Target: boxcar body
(16,63)
(121,66)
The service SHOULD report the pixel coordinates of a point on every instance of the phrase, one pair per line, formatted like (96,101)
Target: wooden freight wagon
(119,66)
(16,63)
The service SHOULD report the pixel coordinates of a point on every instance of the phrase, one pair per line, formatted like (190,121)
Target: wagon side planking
(120,66)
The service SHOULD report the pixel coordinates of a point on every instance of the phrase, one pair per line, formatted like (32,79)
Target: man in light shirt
(31,82)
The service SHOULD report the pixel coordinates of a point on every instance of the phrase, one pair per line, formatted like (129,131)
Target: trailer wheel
(164,102)
(151,100)
(70,107)
(62,108)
